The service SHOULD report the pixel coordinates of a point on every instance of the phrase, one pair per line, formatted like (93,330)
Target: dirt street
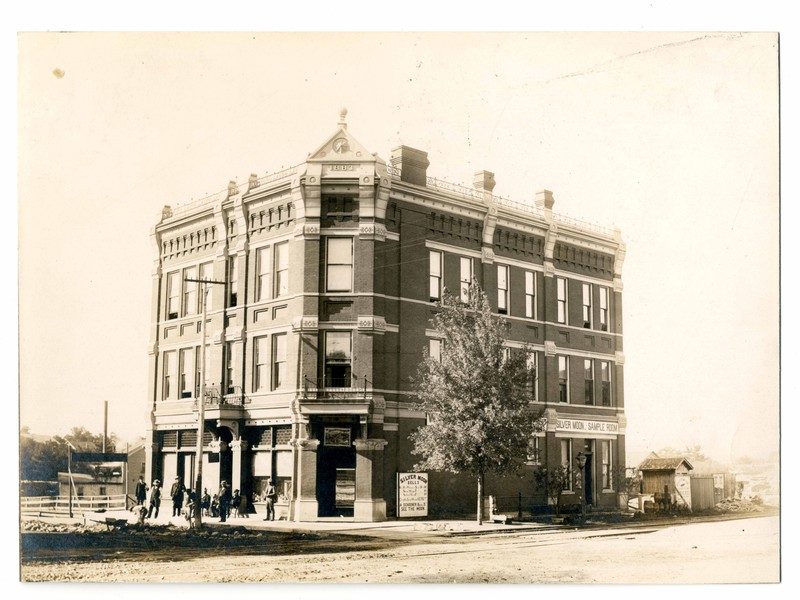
(734,551)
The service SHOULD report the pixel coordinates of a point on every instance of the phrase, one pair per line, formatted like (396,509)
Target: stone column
(237,448)
(307,505)
(369,505)
(152,468)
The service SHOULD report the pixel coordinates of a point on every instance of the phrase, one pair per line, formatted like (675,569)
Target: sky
(672,137)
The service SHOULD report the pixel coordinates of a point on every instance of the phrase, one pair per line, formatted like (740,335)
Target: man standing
(176,493)
(224,500)
(141,491)
(155,499)
(271,496)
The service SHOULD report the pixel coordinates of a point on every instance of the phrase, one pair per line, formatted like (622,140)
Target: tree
(475,394)
(627,482)
(552,480)
(41,461)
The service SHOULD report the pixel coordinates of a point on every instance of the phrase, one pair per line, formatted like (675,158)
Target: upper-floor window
(466,278)
(435,349)
(189,291)
(206,274)
(530,294)
(187,367)
(281,269)
(261,364)
(263,272)
(533,376)
(338,359)
(605,382)
(339,266)
(170,369)
(278,360)
(173,294)
(233,279)
(588,381)
(502,289)
(563,379)
(604,309)
(561,299)
(587,305)
(230,367)
(435,274)
(197,368)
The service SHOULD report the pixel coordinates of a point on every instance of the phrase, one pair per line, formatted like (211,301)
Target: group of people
(184,502)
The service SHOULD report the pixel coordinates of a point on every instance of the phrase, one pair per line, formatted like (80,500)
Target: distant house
(106,481)
(667,479)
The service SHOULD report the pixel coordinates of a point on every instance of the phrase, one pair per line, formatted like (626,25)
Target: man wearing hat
(176,493)
(154,501)
(224,500)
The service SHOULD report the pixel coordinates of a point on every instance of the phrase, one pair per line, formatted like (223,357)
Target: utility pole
(201,402)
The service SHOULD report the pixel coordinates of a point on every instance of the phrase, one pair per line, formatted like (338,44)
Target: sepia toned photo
(399,308)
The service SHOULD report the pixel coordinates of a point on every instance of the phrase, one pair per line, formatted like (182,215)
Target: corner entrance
(336,467)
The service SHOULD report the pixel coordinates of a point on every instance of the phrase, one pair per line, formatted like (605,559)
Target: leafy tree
(42,461)
(476,395)
(552,480)
(627,482)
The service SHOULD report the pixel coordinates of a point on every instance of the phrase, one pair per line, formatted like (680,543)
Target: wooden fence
(43,506)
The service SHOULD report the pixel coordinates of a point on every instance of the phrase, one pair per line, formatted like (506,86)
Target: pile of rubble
(738,506)
(45,527)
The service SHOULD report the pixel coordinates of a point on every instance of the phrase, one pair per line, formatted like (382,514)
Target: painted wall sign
(585,426)
(412,494)
(337,436)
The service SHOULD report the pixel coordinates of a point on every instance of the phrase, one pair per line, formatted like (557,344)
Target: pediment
(341,146)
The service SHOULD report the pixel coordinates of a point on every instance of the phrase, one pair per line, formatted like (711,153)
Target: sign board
(412,494)
(584,426)
(337,436)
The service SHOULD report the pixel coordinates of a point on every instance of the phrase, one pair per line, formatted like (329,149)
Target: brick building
(331,270)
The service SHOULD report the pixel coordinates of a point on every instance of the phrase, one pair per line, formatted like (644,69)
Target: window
(587,305)
(606,465)
(588,381)
(435,278)
(230,364)
(533,376)
(530,294)
(566,461)
(169,375)
(563,379)
(605,382)
(233,276)
(534,450)
(173,295)
(263,272)
(339,270)
(206,274)
(435,349)
(506,355)
(187,366)
(189,291)
(278,360)
(604,309)
(281,269)
(466,278)
(260,364)
(338,359)
(197,369)
(502,289)
(561,298)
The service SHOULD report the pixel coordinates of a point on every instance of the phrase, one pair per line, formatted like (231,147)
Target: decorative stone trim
(549,269)
(487,255)
(239,445)
(619,358)
(371,324)
(617,285)
(308,444)
(622,422)
(370,445)
(551,420)
(305,323)
(550,348)
(372,231)
(309,231)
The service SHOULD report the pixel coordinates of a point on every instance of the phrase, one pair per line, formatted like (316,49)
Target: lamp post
(580,460)
(201,403)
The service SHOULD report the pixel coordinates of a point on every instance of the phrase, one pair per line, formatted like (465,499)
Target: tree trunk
(480,499)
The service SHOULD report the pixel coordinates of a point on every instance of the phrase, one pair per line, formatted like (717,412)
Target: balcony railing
(233,397)
(336,388)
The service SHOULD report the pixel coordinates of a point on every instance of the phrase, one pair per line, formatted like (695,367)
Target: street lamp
(580,460)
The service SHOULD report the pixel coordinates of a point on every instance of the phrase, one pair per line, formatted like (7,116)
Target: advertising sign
(337,436)
(412,494)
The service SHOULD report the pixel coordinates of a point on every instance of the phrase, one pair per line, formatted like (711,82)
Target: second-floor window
(466,278)
(533,376)
(530,294)
(278,360)
(170,370)
(338,359)
(563,379)
(587,305)
(588,381)
(604,309)
(561,300)
(502,289)
(263,272)
(339,266)
(187,366)
(435,349)
(261,364)
(230,368)
(605,382)
(435,274)
(233,280)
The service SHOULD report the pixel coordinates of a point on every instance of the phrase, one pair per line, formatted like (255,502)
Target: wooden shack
(668,481)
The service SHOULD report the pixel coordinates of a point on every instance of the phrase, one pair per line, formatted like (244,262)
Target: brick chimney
(544,199)
(483,180)
(413,164)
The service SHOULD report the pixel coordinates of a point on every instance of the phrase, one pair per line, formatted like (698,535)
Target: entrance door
(336,463)
(588,477)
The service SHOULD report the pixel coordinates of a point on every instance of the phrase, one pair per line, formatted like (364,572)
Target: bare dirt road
(731,551)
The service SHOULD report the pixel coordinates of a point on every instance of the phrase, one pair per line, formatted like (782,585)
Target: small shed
(668,480)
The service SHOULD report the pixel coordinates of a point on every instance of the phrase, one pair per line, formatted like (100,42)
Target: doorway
(336,469)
